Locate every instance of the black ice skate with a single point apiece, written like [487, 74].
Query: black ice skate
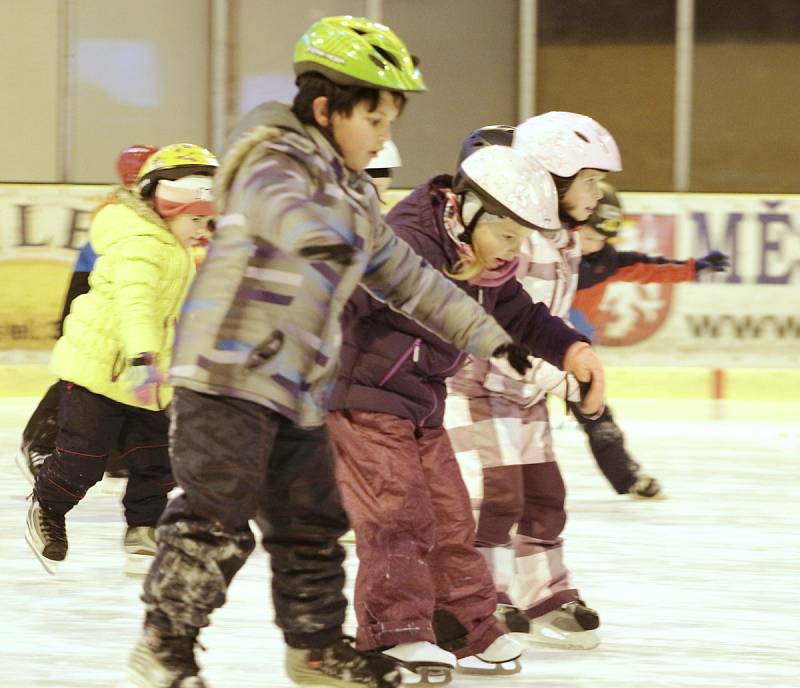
[164, 662]
[340, 665]
[431, 663]
[46, 534]
[646, 487]
[571, 626]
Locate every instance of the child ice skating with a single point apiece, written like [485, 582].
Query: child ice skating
[257, 353]
[505, 421]
[115, 350]
[600, 265]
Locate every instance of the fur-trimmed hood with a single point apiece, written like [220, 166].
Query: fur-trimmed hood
[122, 218]
[268, 122]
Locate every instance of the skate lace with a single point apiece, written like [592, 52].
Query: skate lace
[372, 668]
[53, 526]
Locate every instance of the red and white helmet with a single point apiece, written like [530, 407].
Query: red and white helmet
[511, 185]
[130, 161]
[566, 142]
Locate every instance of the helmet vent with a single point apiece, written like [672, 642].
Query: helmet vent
[581, 136]
[380, 64]
[386, 55]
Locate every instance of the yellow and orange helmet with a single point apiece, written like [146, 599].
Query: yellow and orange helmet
[174, 162]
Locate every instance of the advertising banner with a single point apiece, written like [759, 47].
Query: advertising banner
[747, 317]
[42, 228]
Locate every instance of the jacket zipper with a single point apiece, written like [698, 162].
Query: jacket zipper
[181, 295]
[433, 410]
[411, 350]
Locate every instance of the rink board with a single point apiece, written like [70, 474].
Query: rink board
[25, 379]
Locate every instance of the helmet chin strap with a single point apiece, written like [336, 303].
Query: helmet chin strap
[327, 132]
[466, 235]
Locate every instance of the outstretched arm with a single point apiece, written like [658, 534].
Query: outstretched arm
[396, 275]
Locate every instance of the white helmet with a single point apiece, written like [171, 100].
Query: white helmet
[566, 143]
[510, 185]
[386, 158]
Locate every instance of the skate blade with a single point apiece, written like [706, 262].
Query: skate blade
[644, 498]
[583, 640]
[477, 667]
[426, 675]
[49, 565]
[138, 565]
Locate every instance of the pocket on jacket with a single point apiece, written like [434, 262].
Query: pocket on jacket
[265, 351]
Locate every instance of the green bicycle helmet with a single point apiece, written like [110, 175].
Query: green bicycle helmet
[353, 51]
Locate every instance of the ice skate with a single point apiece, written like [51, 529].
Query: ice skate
[162, 662]
[140, 547]
[29, 461]
[46, 534]
[432, 664]
[340, 665]
[646, 487]
[501, 658]
[571, 626]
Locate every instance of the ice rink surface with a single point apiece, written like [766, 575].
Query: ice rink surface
[699, 589]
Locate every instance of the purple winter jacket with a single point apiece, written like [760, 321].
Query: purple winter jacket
[390, 364]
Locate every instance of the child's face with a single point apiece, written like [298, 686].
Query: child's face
[498, 243]
[584, 193]
[189, 229]
[591, 240]
[362, 134]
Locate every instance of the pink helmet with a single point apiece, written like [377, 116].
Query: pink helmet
[566, 142]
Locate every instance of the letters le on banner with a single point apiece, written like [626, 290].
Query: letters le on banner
[42, 227]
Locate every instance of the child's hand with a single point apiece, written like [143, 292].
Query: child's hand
[142, 378]
[716, 261]
[344, 254]
[583, 363]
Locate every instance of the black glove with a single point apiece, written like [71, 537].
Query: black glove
[344, 254]
[516, 355]
[716, 261]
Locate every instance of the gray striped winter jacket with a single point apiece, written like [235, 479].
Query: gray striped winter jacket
[262, 323]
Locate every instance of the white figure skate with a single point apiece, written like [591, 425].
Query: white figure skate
[571, 626]
[432, 664]
[501, 658]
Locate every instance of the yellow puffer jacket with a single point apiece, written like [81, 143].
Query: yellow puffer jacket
[136, 290]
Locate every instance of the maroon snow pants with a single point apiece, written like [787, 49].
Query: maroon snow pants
[410, 511]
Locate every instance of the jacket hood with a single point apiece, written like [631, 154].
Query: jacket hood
[125, 216]
[422, 211]
[270, 122]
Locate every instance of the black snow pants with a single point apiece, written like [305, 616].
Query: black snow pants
[236, 460]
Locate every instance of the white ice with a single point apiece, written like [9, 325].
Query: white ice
[697, 590]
